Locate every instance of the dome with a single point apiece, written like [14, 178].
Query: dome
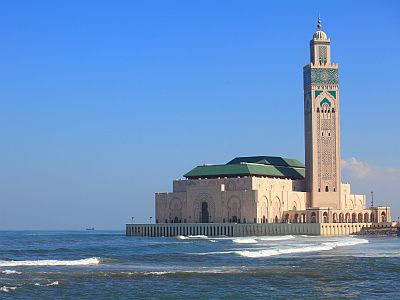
[320, 35]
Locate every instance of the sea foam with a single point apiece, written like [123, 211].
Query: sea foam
[9, 272]
[304, 249]
[24, 263]
[245, 241]
[7, 289]
[200, 236]
[47, 284]
[276, 238]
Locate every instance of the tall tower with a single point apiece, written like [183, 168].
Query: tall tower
[322, 123]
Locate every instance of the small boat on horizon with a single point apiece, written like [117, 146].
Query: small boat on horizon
[91, 228]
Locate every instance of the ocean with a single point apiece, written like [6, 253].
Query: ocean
[109, 265]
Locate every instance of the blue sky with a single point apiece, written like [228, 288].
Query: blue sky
[104, 103]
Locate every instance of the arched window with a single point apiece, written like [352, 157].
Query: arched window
[383, 217]
[313, 217]
[325, 217]
[325, 109]
[326, 189]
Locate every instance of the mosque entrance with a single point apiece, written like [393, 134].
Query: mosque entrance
[204, 212]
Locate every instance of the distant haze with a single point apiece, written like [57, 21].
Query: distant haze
[104, 103]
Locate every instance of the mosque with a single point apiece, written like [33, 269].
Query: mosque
[267, 189]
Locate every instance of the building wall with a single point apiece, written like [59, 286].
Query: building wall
[242, 200]
[258, 200]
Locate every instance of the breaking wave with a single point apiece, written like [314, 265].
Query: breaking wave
[7, 289]
[276, 238]
[192, 237]
[47, 284]
[245, 241]
[9, 272]
[24, 263]
[293, 250]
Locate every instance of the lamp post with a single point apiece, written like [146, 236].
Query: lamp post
[150, 219]
[372, 199]
[132, 219]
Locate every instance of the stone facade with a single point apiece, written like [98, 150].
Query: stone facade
[269, 194]
[257, 200]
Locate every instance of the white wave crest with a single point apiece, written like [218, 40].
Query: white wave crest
[276, 238]
[181, 237]
[197, 236]
[350, 242]
[47, 284]
[7, 289]
[245, 241]
[9, 272]
[24, 263]
[158, 273]
[314, 248]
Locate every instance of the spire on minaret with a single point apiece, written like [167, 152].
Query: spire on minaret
[319, 26]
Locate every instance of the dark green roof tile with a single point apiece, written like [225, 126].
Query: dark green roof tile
[268, 166]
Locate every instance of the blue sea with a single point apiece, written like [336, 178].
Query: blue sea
[109, 265]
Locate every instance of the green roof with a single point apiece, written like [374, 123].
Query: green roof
[268, 160]
[268, 166]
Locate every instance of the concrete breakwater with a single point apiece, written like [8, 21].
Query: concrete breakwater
[380, 231]
[238, 230]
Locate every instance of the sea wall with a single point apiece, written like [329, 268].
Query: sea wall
[235, 230]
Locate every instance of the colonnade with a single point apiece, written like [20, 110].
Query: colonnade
[236, 230]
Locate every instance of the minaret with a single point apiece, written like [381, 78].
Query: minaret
[322, 124]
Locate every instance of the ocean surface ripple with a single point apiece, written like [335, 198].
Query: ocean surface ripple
[109, 265]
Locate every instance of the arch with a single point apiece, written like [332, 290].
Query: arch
[198, 207]
[294, 202]
[276, 207]
[351, 204]
[296, 218]
[372, 218]
[335, 218]
[353, 217]
[175, 210]
[366, 218]
[231, 185]
[341, 218]
[325, 217]
[383, 217]
[360, 204]
[287, 218]
[264, 207]
[325, 111]
[234, 209]
[347, 218]
[313, 217]
[360, 218]
[205, 215]
[325, 101]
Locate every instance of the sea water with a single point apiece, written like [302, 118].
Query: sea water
[109, 265]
